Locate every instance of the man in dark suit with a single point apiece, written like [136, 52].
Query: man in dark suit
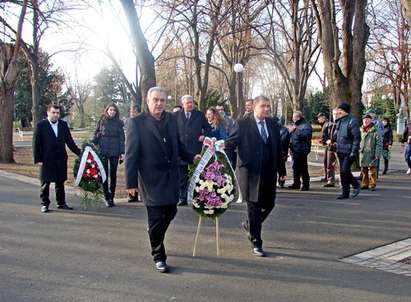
[257, 140]
[192, 128]
[49, 151]
[152, 156]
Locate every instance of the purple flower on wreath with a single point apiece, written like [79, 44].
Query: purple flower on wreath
[209, 175]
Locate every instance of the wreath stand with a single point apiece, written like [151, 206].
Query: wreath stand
[198, 233]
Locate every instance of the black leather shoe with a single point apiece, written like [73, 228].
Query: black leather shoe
[161, 267]
[259, 252]
[182, 203]
[373, 189]
[364, 188]
[356, 192]
[329, 185]
[343, 197]
[64, 207]
[45, 209]
[293, 187]
[305, 189]
[112, 203]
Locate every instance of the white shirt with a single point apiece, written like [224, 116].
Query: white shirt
[54, 127]
[259, 125]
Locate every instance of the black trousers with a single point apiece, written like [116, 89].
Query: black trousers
[159, 219]
[257, 213]
[183, 182]
[300, 170]
[110, 165]
[346, 176]
[45, 191]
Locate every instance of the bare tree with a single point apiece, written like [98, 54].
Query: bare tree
[8, 76]
[344, 68]
[79, 93]
[407, 5]
[289, 36]
[389, 49]
[144, 56]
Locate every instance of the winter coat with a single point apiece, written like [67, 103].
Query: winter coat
[51, 150]
[300, 141]
[109, 136]
[284, 140]
[370, 147]
[387, 138]
[348, 136]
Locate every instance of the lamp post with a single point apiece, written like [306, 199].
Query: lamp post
[238, 69]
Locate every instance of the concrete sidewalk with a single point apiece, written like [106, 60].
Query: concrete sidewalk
[103, 254]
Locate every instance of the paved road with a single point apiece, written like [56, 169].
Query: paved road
[102, 254]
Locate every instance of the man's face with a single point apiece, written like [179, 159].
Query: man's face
[220, 110]
[373, 115]
[367, 121]
[335, 115]
[53, 114]
[188, 105]
[296, 117]
[340, 113]
[133, 113]
[156, 103]
[262, 109]
[249, 106]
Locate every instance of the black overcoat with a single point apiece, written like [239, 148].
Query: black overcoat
[147, 162]
[246, 139]
[190, 130]
[51, 150]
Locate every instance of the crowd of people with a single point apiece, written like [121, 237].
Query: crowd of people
[159, 146]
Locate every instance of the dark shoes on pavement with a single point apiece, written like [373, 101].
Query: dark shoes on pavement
[356, 192]
[343, 197]
[259, 252]
[293, 187]
[305, 189]
[109, 203]
[161, 267]
[329, 185]
[64, 207]
[45, 209]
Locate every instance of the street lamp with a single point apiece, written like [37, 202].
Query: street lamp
[238, 69]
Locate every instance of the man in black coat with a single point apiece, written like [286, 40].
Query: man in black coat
[300, 147]
[49, 151]
[153, 149]
[256, 138]
[347, 138]
[192, 128]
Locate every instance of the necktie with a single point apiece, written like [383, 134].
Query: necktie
[263, 132]
[187, 115]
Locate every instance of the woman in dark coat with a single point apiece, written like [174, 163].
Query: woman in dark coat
[109, 136]
[386, 143]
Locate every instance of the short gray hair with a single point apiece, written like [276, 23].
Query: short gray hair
[261, 98]
[298, 112]
[156, 89]
[186, 97]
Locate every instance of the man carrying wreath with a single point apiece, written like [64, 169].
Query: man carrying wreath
[152, 156]
[256, 137]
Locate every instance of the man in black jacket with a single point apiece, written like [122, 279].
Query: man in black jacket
[300, 146]
[153, 149]
[348, 138]
[49, 151]
[257, 140]
[330, 158]
[192, 128]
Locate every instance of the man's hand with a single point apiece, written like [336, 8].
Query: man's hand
[197, 158]
[283, 177]
[328, 142]
[291, 128]
[132, 191]
[201, 138]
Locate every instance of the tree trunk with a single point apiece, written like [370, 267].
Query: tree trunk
[6, 124]
[35, 93]
[144, 56]
[81, 113]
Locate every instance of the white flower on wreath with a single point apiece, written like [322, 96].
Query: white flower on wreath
[88, 171]
[208, 212]
[89, 161]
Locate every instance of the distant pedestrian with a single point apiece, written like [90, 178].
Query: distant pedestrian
[285, 146]
[348, 139]
[49, 151]
[300, 146]
[370, 152]
[228, 121]
[327, 140]
[406, 138]
[109, 136]
[387, 143]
